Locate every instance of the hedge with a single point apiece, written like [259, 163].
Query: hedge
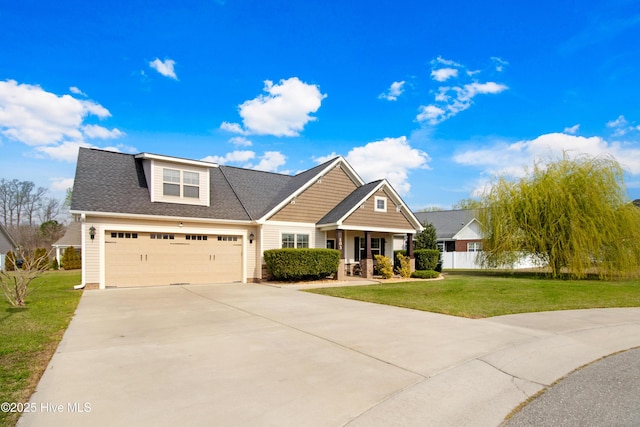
[301, 264]
[426, 259]
[425, 274]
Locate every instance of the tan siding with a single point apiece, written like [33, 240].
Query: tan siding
[316, 201]
[367, 216]
[91, 252]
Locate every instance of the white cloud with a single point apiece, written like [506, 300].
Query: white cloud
[238, 156]
[391, 158]
[452, 99]
[394, 91]
[444, 74]
[270, 161]
[53, 124]
[233, 128]
[322, 159]
[572, 130]
[61, 184]
[283, 111]
[441, 61]
[166, 67]
[240, 141]
[619, 122]
[76, 91]
[67, 151]
[99, 132]
[499, 63]
[512, 159]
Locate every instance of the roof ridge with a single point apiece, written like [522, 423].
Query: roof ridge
[235, 193]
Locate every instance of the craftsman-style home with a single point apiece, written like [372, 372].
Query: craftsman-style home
[150, 219]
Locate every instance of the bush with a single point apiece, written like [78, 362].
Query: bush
[41, 258]
[425, 274]
[426, 259]
[404, 263]
[396, 260]
[385, 268]
[71, 259]
[10, 262]
[301, 264]
[54, 264]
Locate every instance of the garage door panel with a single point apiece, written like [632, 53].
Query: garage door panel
[147, 261]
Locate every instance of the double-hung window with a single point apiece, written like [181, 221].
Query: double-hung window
[291, 240]
[171, 182]
[180, 183]
[474, 247]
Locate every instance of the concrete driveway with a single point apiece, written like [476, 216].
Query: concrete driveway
[255, 355]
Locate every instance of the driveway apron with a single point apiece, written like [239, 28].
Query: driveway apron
[255, 355]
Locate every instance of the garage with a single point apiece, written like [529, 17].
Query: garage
[152, 259]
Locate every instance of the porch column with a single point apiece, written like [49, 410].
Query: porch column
[340, 246]
[367, 260]
[410, 253]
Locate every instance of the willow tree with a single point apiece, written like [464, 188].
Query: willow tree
[572, 215]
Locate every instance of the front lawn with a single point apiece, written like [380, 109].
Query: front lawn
[477, 295]
[29, 336]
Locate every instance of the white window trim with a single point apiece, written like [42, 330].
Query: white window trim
[375, 204]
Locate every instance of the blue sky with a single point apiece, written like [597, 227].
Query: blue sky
[437, 97]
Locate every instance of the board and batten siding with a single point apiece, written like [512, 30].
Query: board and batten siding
[317, 200]
[366, 214]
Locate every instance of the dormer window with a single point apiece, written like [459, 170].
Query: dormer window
[191, 184]
[172, 183]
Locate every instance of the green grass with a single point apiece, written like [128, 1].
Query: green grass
[478, 295]
[29, 336]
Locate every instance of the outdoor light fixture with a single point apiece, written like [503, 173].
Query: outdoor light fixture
[92, 232]
[251, 237]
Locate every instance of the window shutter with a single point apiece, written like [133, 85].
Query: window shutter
[382, 246]
[356, 244]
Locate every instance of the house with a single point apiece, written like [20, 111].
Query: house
[7, 244]
[149, 219]
[72, 238]
[459, 236]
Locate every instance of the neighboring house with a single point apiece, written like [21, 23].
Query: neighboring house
[7, 244]
[459, 236]
[149, 219]
[72, 237]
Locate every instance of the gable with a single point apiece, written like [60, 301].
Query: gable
[7, 244]
[317, 200]
[471, 231]
[368, 214]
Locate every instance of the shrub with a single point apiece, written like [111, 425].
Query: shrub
[404, 263]
[301, 264]
[425, 274]
[426, 259]
[41, 258]
[385, 268]
[54, 264]
[71, 259]
[396, 260]
[10, 262]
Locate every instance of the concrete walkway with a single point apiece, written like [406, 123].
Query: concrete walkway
[254, 355]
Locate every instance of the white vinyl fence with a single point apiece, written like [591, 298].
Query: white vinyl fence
[469, 260]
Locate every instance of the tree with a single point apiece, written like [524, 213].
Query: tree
[469, 203]
[16, 284]
[572, 214]
[427, 238]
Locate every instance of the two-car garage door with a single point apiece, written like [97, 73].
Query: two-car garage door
[151, 259]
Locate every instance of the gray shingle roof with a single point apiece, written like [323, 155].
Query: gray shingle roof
[115, 182]
[447, 223]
